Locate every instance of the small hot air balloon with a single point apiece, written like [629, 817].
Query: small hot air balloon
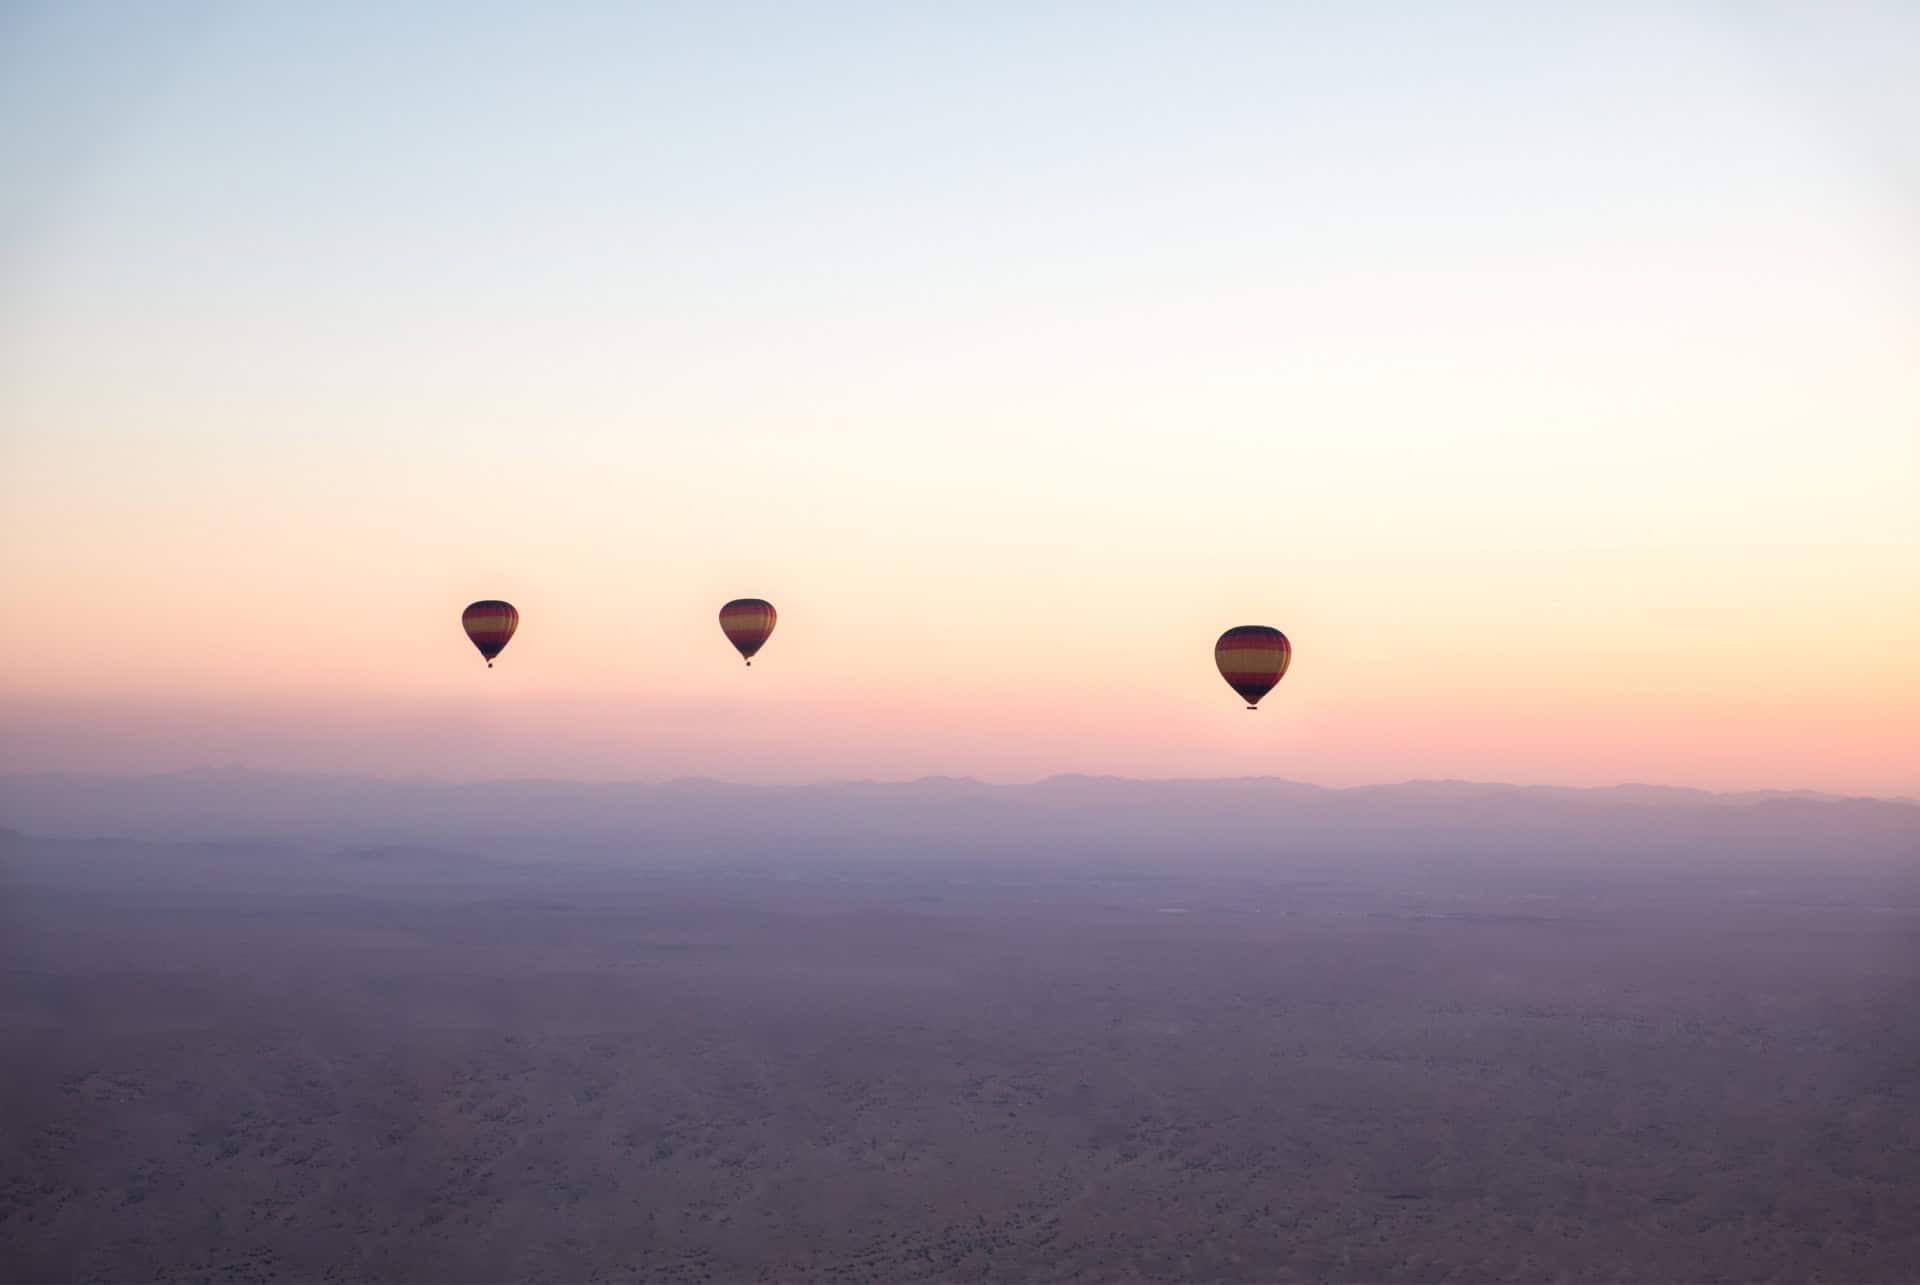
[748, 623]
[1252, 658]
[490, 624]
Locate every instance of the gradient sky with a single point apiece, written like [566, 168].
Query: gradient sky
[1550, 374]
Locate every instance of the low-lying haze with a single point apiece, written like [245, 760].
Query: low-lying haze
[274, 1028]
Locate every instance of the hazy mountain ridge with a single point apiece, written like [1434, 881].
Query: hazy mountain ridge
[1252, 813]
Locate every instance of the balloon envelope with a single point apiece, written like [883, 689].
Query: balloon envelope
[748, 623]
[490, 624]
[1252, 658]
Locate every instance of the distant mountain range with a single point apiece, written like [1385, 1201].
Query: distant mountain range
[1106, 814]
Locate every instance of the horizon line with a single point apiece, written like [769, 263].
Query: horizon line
[426, 778]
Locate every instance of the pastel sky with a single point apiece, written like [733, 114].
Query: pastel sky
[1550, 374]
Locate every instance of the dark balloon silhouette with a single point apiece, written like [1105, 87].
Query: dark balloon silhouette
[1252, 658]
[748, 623]
[490, 625]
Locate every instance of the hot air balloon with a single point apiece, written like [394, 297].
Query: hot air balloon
[748, 623]
[490, 624]
[1252, 658]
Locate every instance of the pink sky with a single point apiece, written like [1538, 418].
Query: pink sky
[1446, 676]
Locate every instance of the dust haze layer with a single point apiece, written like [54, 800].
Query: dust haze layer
[629, 817]
[281, 1028]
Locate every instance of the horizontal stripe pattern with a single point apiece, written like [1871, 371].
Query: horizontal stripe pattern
[490, 625]
[748, 623]
[1253, 659]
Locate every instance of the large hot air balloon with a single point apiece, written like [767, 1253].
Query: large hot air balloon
[490, 624]
[748, 623]
[1252, 658]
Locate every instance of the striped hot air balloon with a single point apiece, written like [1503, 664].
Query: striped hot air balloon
[490, 624]
[1252, 658]
[748, 623]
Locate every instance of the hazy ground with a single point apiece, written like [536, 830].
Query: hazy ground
[269, 1063]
